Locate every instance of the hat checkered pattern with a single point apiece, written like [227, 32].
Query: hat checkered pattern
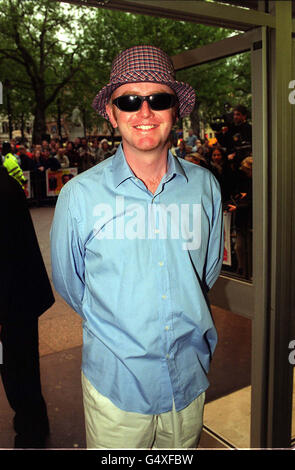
[145, 64]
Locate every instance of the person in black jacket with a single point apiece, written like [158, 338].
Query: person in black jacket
[219, 166]
[236, 137]
[242, 208]
[26, 293]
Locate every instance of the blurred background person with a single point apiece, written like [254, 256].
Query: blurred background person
[106, 150]
[62, 158]
[72, 154]
[25, 295]
[191, 140]
[181, 151]
[219, 166]
[11, 164]
[241, 207]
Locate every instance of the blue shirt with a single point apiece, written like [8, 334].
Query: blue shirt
[136, 266]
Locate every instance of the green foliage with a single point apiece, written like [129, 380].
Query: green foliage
[218, 83]
[41, 51]
[53, 51]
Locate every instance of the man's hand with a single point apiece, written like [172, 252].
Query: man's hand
[231, 156]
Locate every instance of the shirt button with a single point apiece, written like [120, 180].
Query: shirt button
[167, 356]
[164, 297]
[161, 263]
[167, 328]
[157, 230]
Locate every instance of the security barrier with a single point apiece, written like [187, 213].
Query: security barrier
[40, 186]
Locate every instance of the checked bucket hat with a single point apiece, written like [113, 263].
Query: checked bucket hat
[145, 64]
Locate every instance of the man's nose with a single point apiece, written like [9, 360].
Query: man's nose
[145, 109]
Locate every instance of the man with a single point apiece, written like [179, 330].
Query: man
[62, 158]
[240, 122]
[11, 164]
[106, 151]
[85, 155]
[237, 137]
[45, 145]
[27, 163]
[25, 294]
[191, 140]
[125, 258]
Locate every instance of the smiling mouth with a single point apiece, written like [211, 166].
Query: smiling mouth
[145, 127]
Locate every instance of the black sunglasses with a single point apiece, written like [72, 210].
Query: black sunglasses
[157, 102]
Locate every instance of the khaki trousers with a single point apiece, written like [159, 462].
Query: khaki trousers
[108, 427]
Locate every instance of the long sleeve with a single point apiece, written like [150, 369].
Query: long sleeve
[67, 253]
[216, 239]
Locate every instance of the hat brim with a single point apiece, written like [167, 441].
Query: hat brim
[185, 93]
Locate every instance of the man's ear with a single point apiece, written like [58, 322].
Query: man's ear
[111, 114]
[176, 113]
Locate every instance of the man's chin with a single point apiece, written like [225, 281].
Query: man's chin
[147, 146]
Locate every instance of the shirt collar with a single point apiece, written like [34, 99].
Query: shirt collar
[122, 171]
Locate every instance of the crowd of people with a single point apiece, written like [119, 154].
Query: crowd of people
[228, 156]
[54, 154]
[81, 154]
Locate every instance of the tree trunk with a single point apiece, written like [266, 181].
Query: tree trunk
[59, 120]
[22, 127]
[195, 120]
[9, 113]
[39, 127]
[84, 119]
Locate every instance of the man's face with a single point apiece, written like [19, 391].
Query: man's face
[217, 156]
[145, 129]
[105, 146]
[239, 117]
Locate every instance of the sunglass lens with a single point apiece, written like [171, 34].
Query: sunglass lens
[158, 102]
[161, 101]
[129, 103]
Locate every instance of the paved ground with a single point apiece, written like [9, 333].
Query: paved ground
[60, 351]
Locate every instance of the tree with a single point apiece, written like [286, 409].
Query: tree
[30, 40]
[222, 82]
[215, 83]
[57, 56]
[17, 99]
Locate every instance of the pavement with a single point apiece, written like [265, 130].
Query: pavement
[60, 341]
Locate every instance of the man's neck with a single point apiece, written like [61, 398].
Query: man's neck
[149, 167]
